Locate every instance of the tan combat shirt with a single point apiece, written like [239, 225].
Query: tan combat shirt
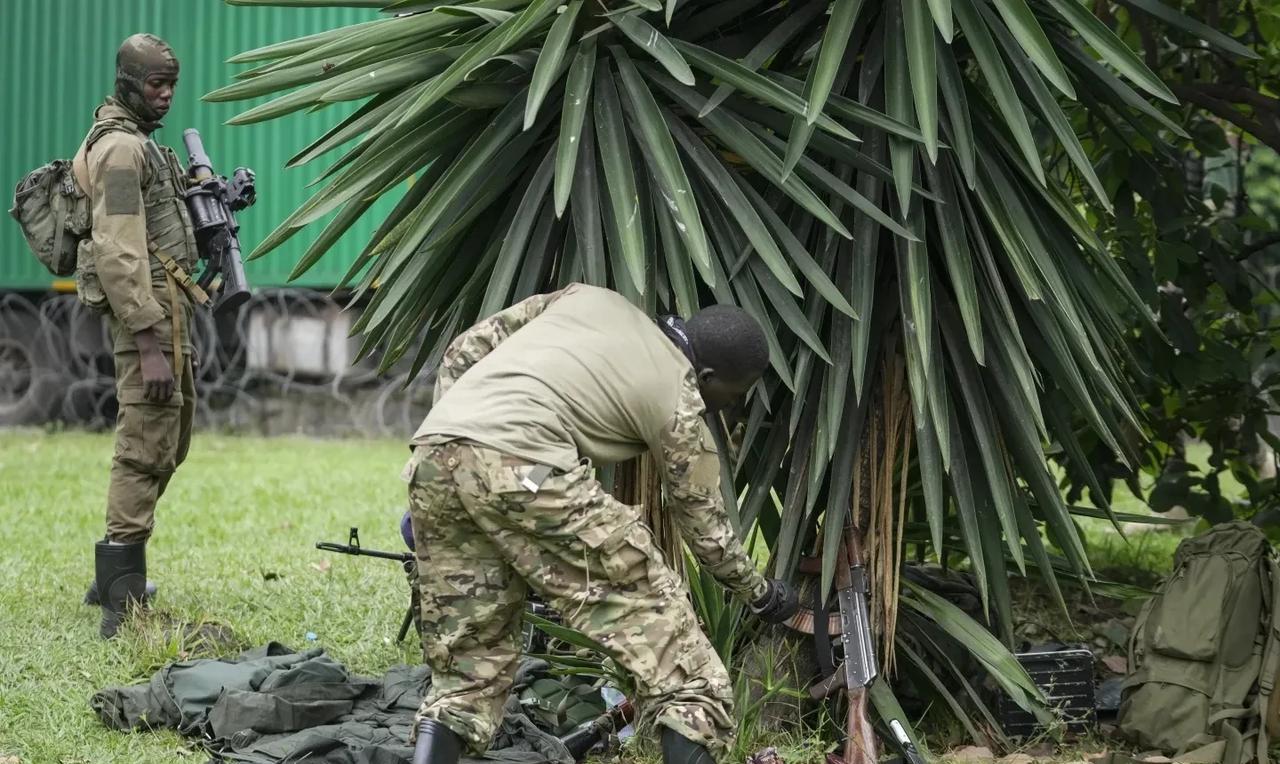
[584, 373]
[131, 278]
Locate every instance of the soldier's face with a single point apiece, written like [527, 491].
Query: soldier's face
[157, 91]
[719, 393]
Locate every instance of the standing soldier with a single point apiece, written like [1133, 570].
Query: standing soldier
[503, 499]
[143, 250]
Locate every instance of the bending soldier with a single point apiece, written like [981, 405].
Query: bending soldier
[136, 269]
[503, 499]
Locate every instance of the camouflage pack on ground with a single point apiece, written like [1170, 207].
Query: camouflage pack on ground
[1204, 653]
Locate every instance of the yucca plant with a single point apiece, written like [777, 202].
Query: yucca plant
[895, 189]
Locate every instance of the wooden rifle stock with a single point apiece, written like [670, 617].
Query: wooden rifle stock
[860, 738]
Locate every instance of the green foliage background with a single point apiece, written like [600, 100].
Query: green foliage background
[969, 190]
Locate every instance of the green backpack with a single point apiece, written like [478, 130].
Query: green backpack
[54, 214]
[1204, 652]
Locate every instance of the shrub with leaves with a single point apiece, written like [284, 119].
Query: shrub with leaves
[868, 178]
[1195, 229]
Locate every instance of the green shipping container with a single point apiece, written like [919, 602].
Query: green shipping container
[59, 63]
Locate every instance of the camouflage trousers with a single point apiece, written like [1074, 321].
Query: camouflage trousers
[484, 539]
[152, 439]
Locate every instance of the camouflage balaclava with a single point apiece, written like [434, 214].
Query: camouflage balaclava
[141, 56]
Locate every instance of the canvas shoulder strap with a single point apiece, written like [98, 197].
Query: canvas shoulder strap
[1268, 708]
[80, 164]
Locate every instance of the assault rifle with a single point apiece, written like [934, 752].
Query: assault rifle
[406, 560]
[534, 639]
[213, 202]
[858, 670]
[352, 547]
[580, 741]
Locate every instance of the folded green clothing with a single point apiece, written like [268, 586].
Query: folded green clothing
[273, 705]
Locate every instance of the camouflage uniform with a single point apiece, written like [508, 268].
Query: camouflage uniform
[140, 221]
[489, 524]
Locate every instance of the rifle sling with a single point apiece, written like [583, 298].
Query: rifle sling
[176, 317]
[821, 633]
[188, 284]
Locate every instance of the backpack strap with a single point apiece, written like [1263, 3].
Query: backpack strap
[80, 169]
[103, 126]
[1138, 634]
[1237, 740]
[80, 162]
[1270, 664]
[1204, 749]
[59, 204]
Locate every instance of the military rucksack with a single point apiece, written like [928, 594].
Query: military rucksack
[54, 213]
[53, 208]
[1204, 653]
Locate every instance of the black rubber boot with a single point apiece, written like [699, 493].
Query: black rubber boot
[91, 596]
[678, 749]
[437, 744]
[122, 580]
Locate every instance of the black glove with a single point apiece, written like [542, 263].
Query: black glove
[778, 603]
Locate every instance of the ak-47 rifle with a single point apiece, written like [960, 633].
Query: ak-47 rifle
[858, 670]
[581, 740]
[352, 547]
[406, 560]
[533, 639]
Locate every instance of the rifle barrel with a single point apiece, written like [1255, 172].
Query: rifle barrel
[356, 551]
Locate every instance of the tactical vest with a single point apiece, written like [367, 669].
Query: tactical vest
[171, 239]
[169, 230]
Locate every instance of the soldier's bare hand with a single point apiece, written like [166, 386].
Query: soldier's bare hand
[157, 377]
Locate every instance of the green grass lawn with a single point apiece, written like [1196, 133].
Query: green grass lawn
[233, 545]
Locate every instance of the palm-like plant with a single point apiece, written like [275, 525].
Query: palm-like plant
[895, 189]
